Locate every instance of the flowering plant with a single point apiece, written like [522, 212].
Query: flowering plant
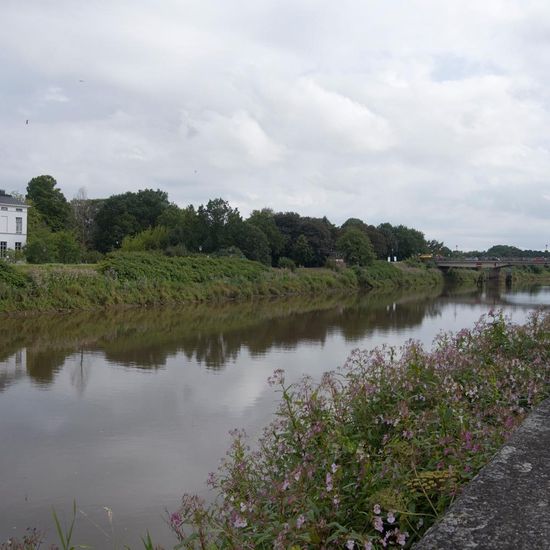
[371, 455]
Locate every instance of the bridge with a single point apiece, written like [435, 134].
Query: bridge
[492, 264]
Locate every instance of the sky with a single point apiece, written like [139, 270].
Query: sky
[431, 114]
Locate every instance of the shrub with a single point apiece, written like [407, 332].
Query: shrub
[286, 263]
[375, 452]
[10, 276]
[92, 257]
[229, 252]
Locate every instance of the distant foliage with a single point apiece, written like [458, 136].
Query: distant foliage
[47, 247]
[135, 266]
[287, 263]
[153, 238]
[50, 202]
[355, 247]
[125, 215]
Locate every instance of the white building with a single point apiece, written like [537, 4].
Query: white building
[13, 223]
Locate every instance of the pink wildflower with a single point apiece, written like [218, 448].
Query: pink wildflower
[334, 468]
[378, 524]
[377, 509]
[402, 538]
[391, 518]
[328, 481]
[239, 522]
[350, 544]
[368, 545]
[176, 519]
[300, 521]
[277, 378]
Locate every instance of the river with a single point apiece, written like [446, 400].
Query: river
[124, 411]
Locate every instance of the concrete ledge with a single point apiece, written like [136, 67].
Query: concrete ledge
[507, 505]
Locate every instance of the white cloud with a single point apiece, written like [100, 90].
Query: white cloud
[433, 114]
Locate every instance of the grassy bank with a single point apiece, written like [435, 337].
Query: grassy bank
[141, 279]
[531, 274]
[374, 453]
[469, 277]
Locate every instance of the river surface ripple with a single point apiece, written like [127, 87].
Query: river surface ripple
[124, 411]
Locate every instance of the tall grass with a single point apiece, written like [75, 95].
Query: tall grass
[145, 279]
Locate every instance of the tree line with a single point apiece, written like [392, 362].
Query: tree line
[84, 229]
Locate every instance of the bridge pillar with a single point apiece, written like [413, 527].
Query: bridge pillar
[494, 273]
[508, 278]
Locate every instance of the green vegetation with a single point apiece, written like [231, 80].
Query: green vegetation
[465, 276]
[356, 247]
[532, 273]
[372, 455]
[140, 278]
[69, 232]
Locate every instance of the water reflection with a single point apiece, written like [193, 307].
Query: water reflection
[128, 409]
[211, 335]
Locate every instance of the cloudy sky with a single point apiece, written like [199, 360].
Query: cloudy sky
[430, 113]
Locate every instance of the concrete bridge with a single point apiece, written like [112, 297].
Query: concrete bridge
[494, 264]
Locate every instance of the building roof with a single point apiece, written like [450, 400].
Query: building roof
[8, 199]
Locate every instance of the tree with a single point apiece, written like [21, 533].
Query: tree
[183, 226]
[302, 253]
[127, 214]
[214, 221]
[84, 211]
[264, 219]
[67, 249]
[410, 241]
[318, 233]
[153, 238]
[356, 247]
[435, 247]
[504, 251]
[41, 248]
[387, 230]
[251, 240]
[376, 237]
[49, 201]
[319, 237]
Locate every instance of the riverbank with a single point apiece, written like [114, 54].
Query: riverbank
[141, 279]
[377, 451]
[530, 274]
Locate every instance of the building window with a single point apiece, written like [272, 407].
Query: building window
[19, 210]
[19, 225]
[3, 249]
[17, 247]
[3, 208]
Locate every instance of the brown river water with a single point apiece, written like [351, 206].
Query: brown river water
[123, 411]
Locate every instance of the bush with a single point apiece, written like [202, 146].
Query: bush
[9, 276]
[154, 238]
[229, 252]
[374, 453]
[92, 257]
[286, 263]
[176, 250]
